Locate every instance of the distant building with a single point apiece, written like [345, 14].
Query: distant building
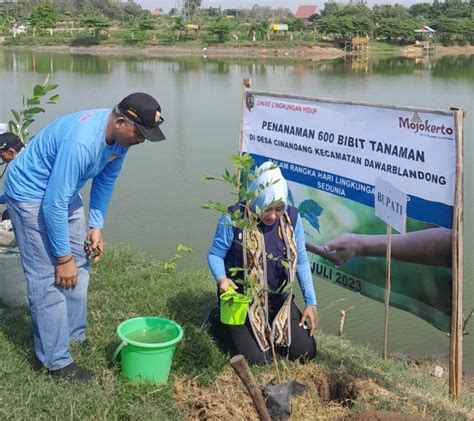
[304, 12]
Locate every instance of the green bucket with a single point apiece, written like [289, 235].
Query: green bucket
[147, 348]
[234, 307]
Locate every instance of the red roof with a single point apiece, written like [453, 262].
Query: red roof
[304, 12]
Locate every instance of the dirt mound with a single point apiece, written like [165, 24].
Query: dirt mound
[227, 398]
[382, 416]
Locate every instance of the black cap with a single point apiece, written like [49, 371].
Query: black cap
[145, 112]
[9, 140]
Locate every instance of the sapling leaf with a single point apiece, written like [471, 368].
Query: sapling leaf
[207, 177]
[38, 90]
[235, 270]
[50, 87]
[53, 99]
[182, 247]
[12, 127]
[16, 115]
[34, 110]
[32, 101]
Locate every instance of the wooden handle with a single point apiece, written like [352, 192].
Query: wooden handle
[239, 364]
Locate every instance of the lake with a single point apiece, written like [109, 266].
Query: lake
[156, 204]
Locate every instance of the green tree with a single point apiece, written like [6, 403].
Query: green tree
[386, 11]
[220, 28]
[96, 23]
[458, 10]
[213, 11]
[331, 8]
[392, 28]
[328, 25]
[190, 7]
[421, 9]
[44, 15]
[260, 29]
[354, 10]
[295, 24]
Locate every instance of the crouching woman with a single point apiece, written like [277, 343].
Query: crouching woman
[274, 253]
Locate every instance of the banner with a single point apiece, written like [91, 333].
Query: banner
[331, 152]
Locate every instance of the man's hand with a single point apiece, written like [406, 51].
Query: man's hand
[338, 251]
[97, 244]
[66, 272]
[311, 313]
[225, 283]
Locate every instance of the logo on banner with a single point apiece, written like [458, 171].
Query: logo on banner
[250, 102]
[417, 125]
[416, 118]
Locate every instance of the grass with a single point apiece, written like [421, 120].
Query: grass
[202, 384]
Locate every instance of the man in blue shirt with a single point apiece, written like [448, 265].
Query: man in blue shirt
[42, 195]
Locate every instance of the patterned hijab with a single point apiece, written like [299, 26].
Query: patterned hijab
[275, 187]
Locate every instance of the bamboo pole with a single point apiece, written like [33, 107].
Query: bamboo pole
[387, 289]
[239, 364]
[246, 84]
[455, 338]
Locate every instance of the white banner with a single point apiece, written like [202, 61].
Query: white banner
[341, 148]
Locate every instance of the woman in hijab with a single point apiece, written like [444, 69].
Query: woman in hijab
[278, 236]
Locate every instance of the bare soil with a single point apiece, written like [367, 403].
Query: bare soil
[306, 53]
[328, 397]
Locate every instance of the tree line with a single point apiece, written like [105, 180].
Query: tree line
[452, 19]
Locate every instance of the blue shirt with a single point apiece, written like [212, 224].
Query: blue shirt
[223, 241]
[56, 164]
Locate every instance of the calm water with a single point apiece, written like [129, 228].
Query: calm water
[156, 204]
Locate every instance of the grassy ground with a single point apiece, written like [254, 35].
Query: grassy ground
[345, 379]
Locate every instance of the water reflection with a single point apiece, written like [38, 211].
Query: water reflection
[457, 67]
[44, 63]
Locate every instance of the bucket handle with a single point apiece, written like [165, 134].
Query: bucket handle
[117, 352]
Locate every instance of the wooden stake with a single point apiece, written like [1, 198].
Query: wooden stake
[455, 338]
[387, 289]
[342, 319]
[239, 364]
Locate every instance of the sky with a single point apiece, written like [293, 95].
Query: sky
[290, 4]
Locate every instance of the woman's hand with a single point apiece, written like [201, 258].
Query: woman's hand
[311, 313]
[225, 283]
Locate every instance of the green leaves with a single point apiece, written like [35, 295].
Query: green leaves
[23, 118]
[182, 247]
[16, 114]
[170, 265]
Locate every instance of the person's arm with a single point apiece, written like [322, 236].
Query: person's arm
[303, 269]
[70, 163]
[430, 246]
[101, 192]
[305, 279]
[220, 246]
[2, 198]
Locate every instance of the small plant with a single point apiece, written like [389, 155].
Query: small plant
[24, 117]
[246, 217]
[170, 265]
